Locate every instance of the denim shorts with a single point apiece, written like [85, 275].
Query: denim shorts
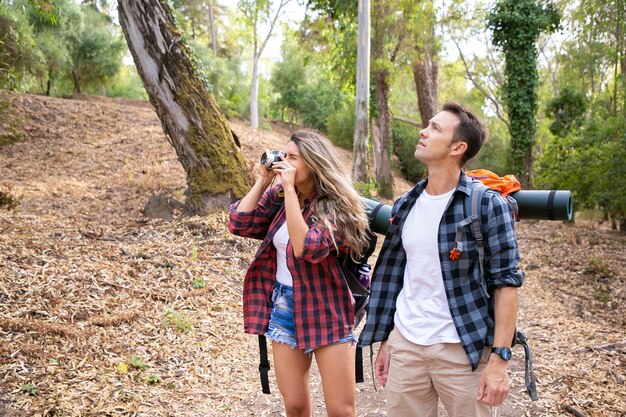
[282, 328]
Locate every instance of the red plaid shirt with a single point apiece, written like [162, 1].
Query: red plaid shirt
[323, 308]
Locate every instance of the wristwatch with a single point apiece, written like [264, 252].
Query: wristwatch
[504, 352]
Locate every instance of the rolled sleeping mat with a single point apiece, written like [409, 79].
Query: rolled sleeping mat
[533, 204]
[544, 204]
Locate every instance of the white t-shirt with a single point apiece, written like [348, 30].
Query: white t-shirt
[281, 238]
[422, 314]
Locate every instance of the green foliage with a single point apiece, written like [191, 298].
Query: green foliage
[46, 10]
[126, 83]
[30, 389]
[404, 139]
[365, 188]
[198, 282]
[340, 125]
[289, 78]
[568, 111]
[95, 51]
[225, 79]
[180, 321]
[153, 379]
[329, 44]
[516, 26]
[137, 363]
[320, 99]
[18, 53]
[309, 91]
[589, 162]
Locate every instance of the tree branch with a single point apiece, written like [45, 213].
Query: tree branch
[480, 88]
[408, 121]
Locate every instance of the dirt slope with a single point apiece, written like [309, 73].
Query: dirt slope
[108, 313]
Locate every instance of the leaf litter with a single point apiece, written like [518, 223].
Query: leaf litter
[99, 314]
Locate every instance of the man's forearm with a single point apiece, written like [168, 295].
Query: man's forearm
[505, 311]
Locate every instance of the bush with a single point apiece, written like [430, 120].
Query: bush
[224, 79]
[18, 52]
[404, 138]
[126, 83]
[319, 101]
[340, 125]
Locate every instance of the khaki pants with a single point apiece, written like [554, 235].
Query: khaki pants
[420, 375]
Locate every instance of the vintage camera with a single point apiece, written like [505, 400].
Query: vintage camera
[269, 158]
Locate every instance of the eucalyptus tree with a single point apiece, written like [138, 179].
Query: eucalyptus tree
[211, 12]
[192, 120]
[392, 23]
[256, 15]
[360, 157]
[516, 25]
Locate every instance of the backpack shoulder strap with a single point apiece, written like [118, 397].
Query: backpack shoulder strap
[473, 212]
[475, 206]
[264, 365]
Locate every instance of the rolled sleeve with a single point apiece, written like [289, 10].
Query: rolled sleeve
[255, 224]
[501, 251]
[318, 243]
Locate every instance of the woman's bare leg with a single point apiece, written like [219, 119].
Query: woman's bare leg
[292, 376]
[336, 365]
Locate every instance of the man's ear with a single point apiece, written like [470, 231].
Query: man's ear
[459, 148]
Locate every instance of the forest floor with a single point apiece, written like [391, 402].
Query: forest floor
[105, 312]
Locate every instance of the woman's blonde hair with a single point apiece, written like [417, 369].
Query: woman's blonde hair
[337, 199]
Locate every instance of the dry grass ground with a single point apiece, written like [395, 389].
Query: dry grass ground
[104, 312]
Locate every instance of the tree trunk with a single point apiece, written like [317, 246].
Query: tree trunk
[383, 168]
[376, 145]
[425, 74]
[49, 83]
[212, 28]
[76, 79]
[192, 120]
[258, 51]
[254, 94]
[361, 165]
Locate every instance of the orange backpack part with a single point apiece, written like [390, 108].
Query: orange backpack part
[504, 185]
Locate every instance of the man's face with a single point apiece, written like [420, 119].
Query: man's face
[436, 139]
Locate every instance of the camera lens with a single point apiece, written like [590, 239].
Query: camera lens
[269, 158]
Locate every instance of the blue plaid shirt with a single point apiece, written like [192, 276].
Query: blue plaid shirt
[471, 308]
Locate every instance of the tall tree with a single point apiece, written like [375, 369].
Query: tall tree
[361, 166]
[516, 25]
[194, 124]
[426, 62]
[259, 13]
[389, 26]
[212, 26]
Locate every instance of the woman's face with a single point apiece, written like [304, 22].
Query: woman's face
[303, 172]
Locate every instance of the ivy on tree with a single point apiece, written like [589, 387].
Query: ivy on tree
[516, 26]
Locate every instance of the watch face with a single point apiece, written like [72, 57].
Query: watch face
[506, 354]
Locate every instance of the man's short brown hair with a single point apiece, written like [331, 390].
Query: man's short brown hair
[470, 130]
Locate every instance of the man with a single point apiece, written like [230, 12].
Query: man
[445, 335]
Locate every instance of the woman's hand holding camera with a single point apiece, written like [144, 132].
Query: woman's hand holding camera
[286, 172]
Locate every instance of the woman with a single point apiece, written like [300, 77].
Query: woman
[294, 292]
